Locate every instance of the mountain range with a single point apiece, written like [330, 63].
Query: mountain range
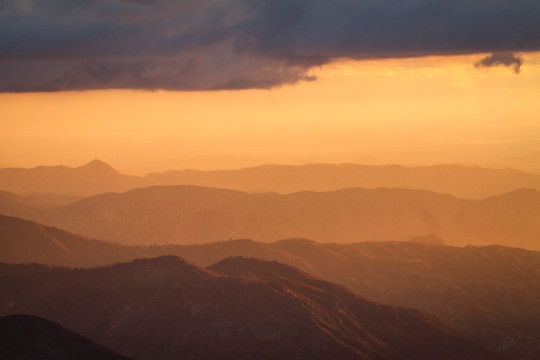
[165, 308]
[457, 180]
[98, 177]
[381, 231]
[190, 215]
[490, 293]
[93, 178]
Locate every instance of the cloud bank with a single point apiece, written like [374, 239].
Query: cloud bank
[236, 44]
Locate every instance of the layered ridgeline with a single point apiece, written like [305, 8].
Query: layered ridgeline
[97, 177]
[491, 293]
[26, 337]
[457, 180]
[190, 214]
[90, 179]
[165, 308]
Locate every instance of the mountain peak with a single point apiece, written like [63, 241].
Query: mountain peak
[97, 165]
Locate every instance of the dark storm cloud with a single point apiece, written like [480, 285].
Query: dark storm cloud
[507, 59]
[221, 44]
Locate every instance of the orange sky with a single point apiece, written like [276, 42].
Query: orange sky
[410, 111]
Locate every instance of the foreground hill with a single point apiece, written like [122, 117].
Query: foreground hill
[491, 294]
[189, 214]
[97, 177]
[90, 179]
[26, 337]
[165, 308]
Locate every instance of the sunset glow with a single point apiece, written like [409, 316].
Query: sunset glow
[408, 111]
[269, 179]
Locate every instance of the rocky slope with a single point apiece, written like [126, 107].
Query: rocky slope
[490, 293]
[165, 308]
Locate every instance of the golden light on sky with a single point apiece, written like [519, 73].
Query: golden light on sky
[409, 111]
[417, 123]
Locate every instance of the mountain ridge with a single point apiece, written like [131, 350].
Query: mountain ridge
[98, 177]
[235, 317]
[91, 178]
[192, 214]
[490, 293]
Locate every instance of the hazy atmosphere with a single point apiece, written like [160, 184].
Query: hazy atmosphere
[269, 179]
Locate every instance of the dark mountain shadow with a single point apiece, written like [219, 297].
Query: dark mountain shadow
[27, 337]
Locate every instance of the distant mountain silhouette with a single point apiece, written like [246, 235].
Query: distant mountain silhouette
[165, 308]
[26, 337]
[98, 177]
[189, 214]
[97, 167]
[491, 294]
[90, 179]
[460, 181]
